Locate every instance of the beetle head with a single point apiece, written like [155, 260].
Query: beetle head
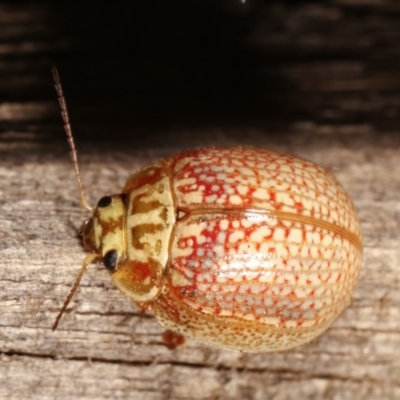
[103, 234]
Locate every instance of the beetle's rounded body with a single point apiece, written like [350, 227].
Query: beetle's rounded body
[242, 248]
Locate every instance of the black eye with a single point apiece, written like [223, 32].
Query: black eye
[104, 201]
[110, 259]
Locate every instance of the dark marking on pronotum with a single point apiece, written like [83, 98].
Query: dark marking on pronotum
[139, 232]
[139, 206]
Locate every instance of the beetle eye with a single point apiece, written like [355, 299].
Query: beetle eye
[104, 201]
[110, 259]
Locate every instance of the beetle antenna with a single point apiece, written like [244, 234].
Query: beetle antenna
[68, 131]
[88, 260]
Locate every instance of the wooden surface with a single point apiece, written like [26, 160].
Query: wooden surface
[143, 82]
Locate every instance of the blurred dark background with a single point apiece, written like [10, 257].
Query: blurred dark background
[143, 71]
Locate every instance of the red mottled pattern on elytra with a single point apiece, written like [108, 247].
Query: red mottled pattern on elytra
[253, 178]
[227, 266]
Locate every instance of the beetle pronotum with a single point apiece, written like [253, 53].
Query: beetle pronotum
[242, 248]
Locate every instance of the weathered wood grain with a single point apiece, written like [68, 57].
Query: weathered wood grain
[323, 83]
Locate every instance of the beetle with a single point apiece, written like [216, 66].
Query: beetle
[242, 248]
